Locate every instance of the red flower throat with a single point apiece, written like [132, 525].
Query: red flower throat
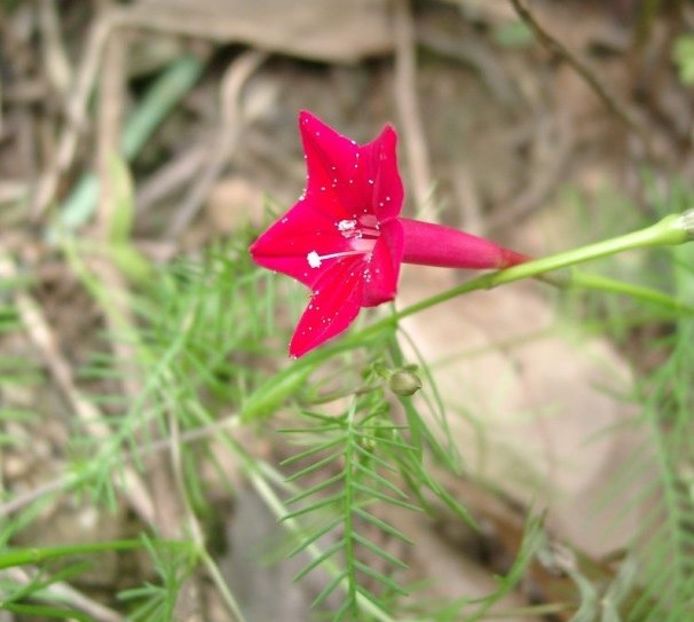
[344, 238]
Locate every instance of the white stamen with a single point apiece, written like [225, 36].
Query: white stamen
[315, 260]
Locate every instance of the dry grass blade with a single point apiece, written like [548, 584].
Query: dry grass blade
[236, 76]
[76, 115]
[69, 595]
[408, 107]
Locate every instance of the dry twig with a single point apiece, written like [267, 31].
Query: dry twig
[172, 175]
[614, 105]
[236, 76]
[56, 60]
[76, 115]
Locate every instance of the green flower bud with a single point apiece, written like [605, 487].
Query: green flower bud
[404, 382]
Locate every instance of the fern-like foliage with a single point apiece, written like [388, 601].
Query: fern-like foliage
[198, 324]
[655, 580]
[173, 562]
[667, 558]
[665, 546]
[358, 448]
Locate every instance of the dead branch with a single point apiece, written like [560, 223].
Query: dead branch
[613, 104]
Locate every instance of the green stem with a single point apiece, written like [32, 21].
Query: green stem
[586, 280]
[273, 502]
[671, 230]
[667, 232]
[222, 586]
[348, 525]
[18, 557]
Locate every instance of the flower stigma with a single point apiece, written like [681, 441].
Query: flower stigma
[315, 260]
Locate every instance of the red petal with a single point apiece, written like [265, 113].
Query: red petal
[381, 165]
[286, 243]
[334, 305]
[333, 169]
[431, 244]
[347, 179]
[384, 267]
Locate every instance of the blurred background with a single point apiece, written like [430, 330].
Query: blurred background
[159, 137]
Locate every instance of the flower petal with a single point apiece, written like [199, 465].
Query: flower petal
[285, 245]
[431, 244]
[381, 280]
[334, 305]
[334, 175]
[348, 179]
[381, 165]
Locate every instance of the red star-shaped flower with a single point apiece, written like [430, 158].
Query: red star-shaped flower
[344, 238]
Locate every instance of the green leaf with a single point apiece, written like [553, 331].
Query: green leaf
[381, 578]
[265, 400]
[325, 555]
[315, 506]
[329, 588]
[315, 466]
[316, 488]
[121, 186]
[11, 557]
[316, 535]
[380, 552]
[46, 611]
[382, 525]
